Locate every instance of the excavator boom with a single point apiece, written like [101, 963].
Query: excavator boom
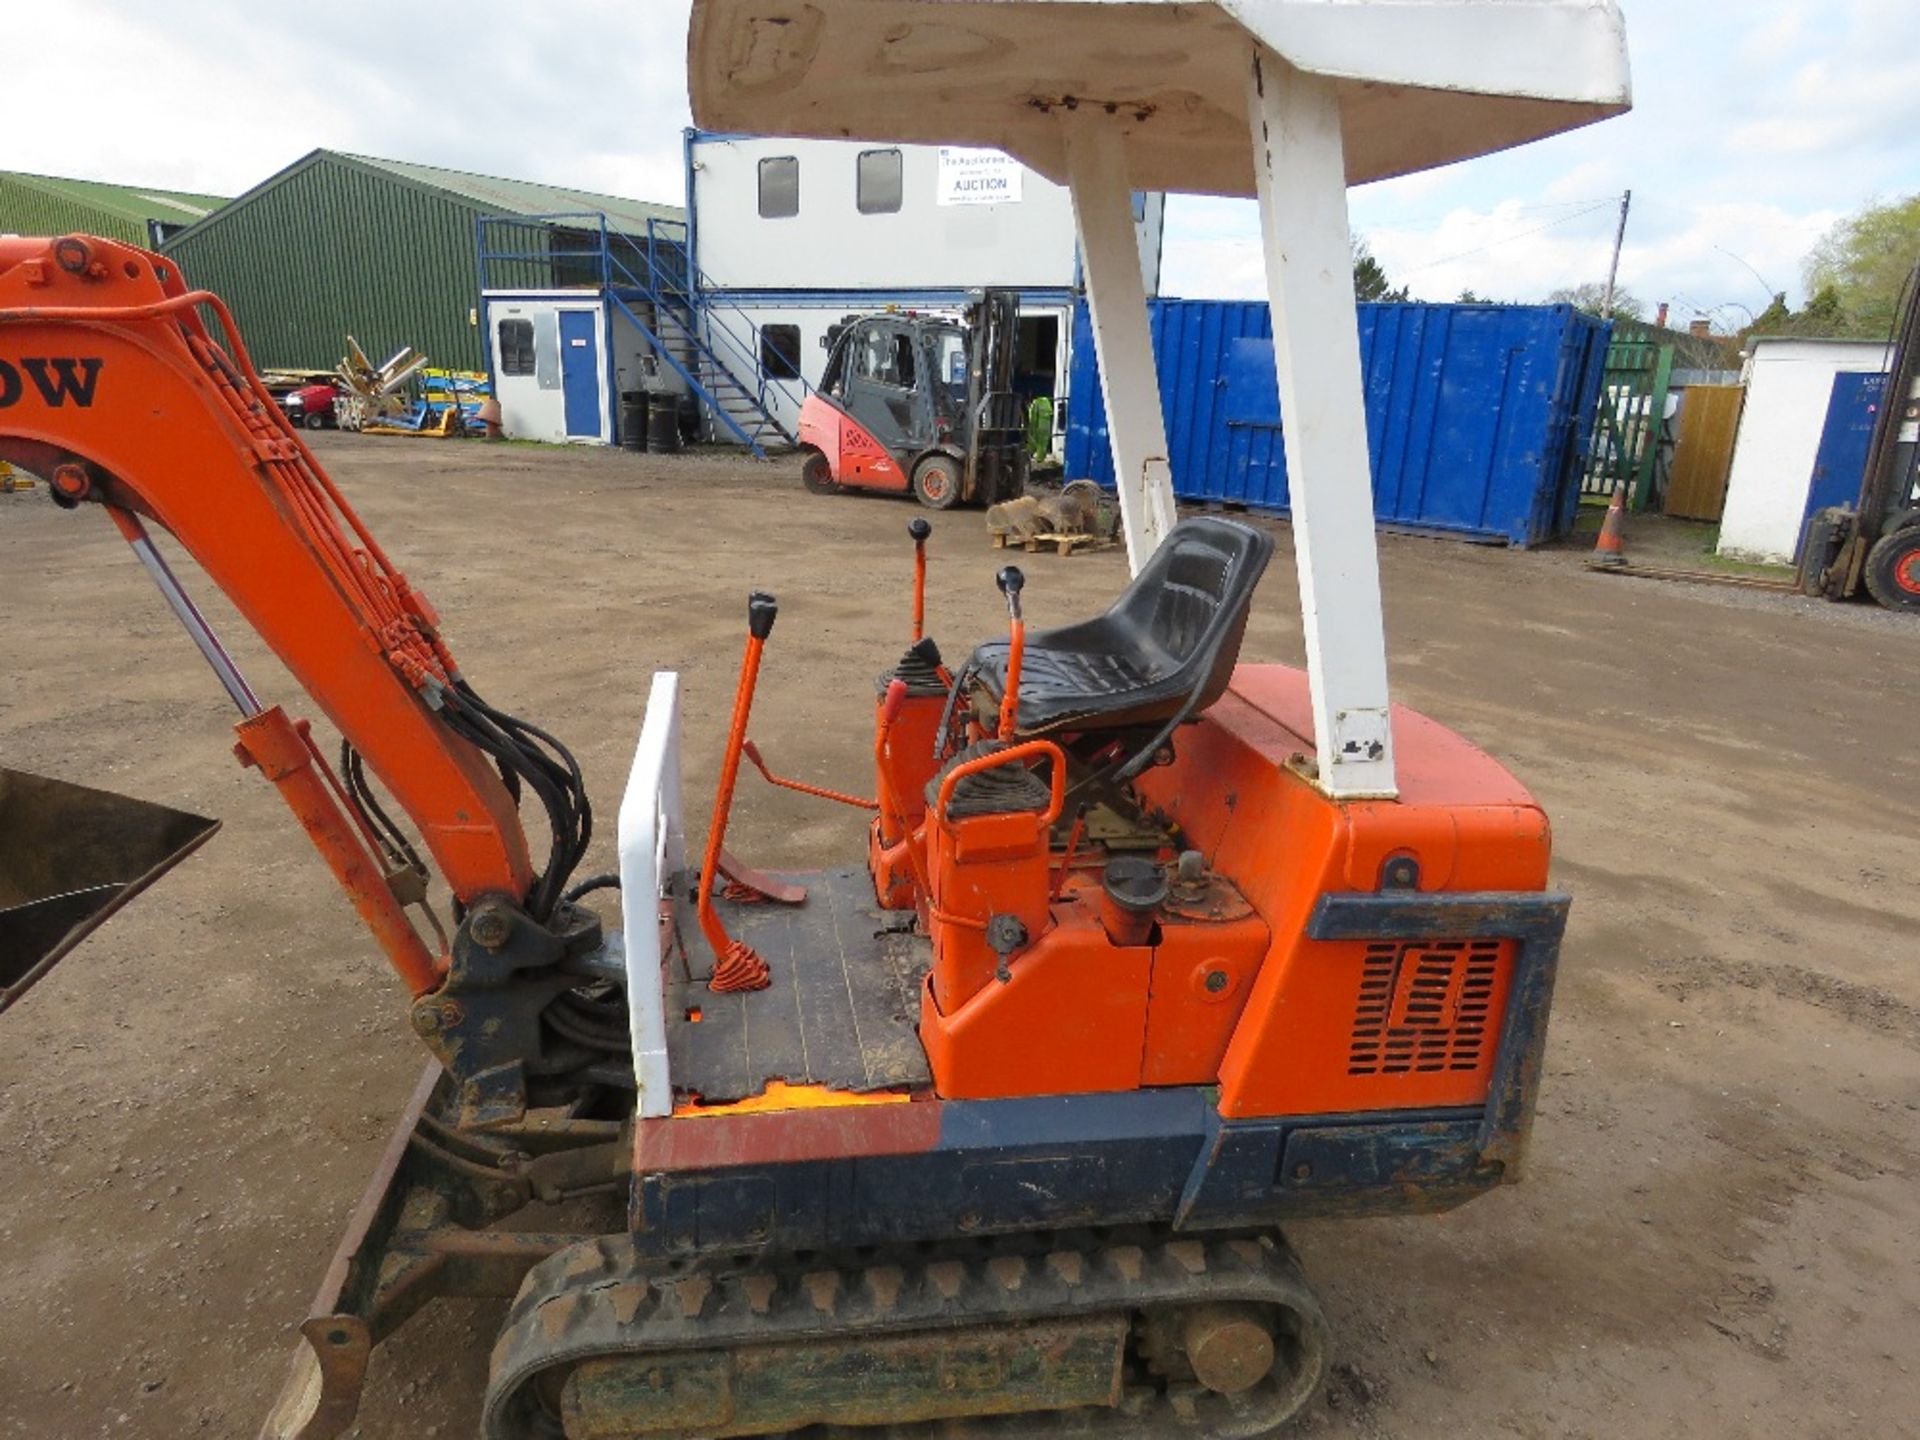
[114, 386]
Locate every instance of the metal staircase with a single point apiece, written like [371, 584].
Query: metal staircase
[713, 347]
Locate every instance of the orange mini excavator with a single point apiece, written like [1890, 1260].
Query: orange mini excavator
[990, 1131]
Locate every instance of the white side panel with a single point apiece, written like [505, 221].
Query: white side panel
[1789, 386]
[1116, 296]
[652, 851]
[1301, 170]
[831, 245]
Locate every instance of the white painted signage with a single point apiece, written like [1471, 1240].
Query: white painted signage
[977, 177]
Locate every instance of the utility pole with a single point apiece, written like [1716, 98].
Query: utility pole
[1619, 240]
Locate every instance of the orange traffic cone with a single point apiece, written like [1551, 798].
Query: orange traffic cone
[1610, 549]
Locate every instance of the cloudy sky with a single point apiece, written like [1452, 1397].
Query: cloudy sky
[1758, 123]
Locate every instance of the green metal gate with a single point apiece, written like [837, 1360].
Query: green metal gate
[1633, 405]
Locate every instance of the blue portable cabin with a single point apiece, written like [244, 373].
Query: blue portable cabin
[1479, 416]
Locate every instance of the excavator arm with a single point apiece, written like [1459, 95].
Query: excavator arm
[113, 385]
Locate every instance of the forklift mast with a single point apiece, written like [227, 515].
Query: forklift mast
[1874, 544]
[1887, 488]
[996, 420]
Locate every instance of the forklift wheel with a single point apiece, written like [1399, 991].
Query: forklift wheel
[1893, 570]
[314, 420]
[936, 482]
[817, 475]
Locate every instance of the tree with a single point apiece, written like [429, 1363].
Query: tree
[1773, 320]
[1825, 317]
[1864, 261]
[1370, 283]
[1592, 298]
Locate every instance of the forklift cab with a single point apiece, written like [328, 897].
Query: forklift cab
[891, 375]
[920, 402]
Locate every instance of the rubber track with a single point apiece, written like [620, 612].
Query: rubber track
[599, 1299]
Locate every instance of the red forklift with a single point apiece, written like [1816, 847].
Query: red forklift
[920, 402]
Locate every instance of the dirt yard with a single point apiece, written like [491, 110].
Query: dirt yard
[1718, 1234]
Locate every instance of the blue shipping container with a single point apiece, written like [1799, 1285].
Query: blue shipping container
[1479, 415]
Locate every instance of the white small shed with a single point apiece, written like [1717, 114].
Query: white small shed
[561, 359]
[1789, 387]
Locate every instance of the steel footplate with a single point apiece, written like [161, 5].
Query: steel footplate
[1063, 1334]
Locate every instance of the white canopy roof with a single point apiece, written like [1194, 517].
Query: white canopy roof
[1421, 82]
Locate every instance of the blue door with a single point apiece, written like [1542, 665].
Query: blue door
[580, 371]
[1841, 462]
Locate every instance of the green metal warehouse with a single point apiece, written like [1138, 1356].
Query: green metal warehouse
[384, 250]
[50, 205]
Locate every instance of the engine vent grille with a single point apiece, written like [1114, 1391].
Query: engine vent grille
[1423, 1007]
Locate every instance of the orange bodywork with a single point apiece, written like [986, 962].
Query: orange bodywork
[166, 424]
[854, 456]
[903, 763]
[1234, 993]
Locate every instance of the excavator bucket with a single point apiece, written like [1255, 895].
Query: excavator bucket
[69, 857]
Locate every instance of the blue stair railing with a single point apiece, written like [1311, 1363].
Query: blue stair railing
[711, 346]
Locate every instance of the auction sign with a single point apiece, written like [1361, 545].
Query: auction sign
[977, 177]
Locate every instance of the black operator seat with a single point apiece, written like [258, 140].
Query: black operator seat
[1164, 651]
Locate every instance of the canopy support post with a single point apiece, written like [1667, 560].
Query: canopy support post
[1122, 336]
[1300, 168]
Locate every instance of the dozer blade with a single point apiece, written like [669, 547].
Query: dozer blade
[69, 857]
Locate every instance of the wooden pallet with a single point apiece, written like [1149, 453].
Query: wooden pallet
[1061, 544]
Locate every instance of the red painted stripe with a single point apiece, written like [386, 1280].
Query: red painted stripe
[721, 1142]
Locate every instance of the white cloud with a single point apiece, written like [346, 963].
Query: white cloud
[1755, 129]
[216, 95]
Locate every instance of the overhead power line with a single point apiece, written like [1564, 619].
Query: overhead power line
[1509, 239]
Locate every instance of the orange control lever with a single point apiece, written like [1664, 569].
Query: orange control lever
[736, 966]
[819, 792]
[1011, 582]
[890, 708]
[919, 529]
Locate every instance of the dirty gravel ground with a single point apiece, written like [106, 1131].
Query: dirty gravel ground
[1718, 1234]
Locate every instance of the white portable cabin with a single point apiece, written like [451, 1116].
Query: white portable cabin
[793, 235]
[1789, 388]
[561, 359]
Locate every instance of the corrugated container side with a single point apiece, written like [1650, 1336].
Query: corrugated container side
[1477, 414]
[25, 210]
[333, 250]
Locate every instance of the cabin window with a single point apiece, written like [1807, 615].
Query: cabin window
[780, 351]
[516, 347]
[878, 186]
[779, 187]
[885, 356]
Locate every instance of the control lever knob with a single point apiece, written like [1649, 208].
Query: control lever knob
[1010, 580]
[919, 530]
[761, 610]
